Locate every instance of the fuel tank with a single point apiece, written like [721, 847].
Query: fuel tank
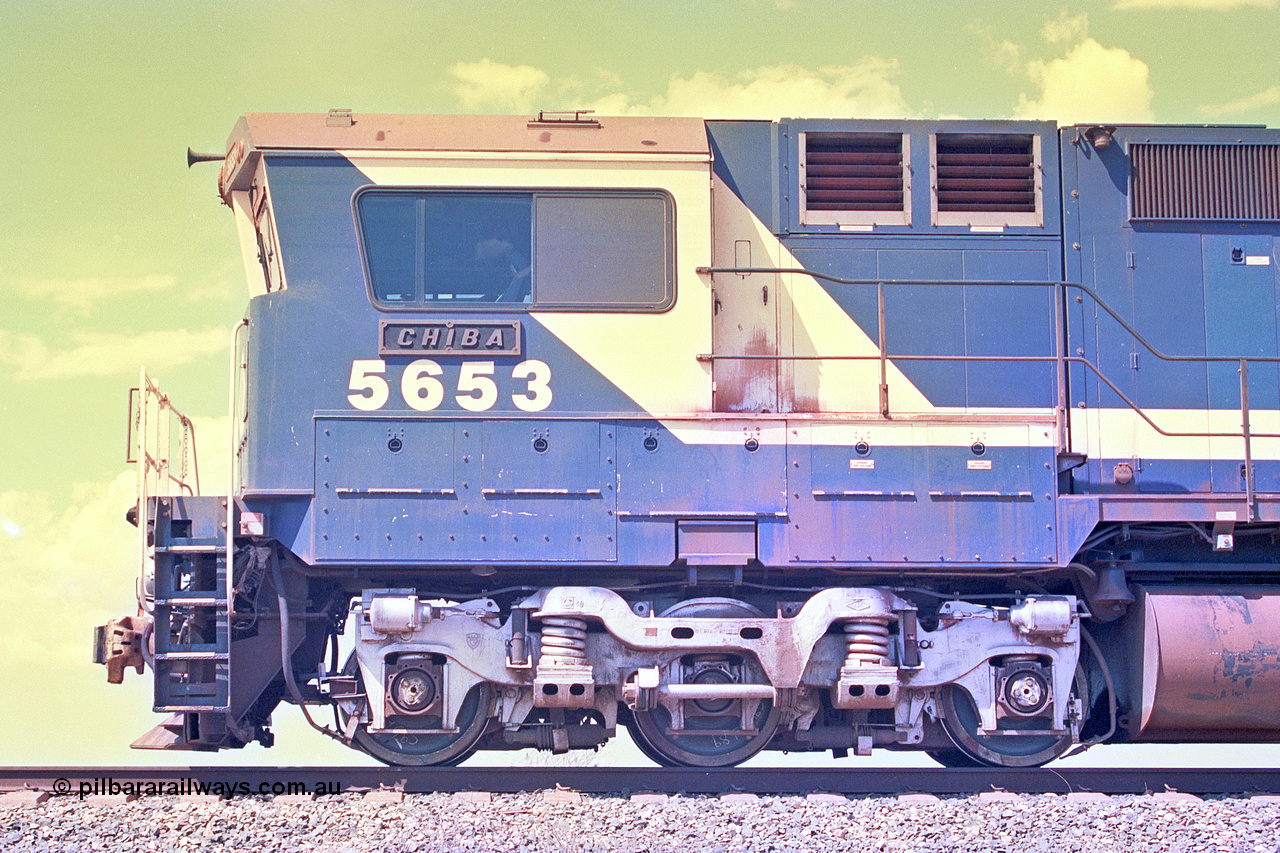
[1210, 664]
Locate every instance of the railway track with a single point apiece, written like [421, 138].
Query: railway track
[90, 781]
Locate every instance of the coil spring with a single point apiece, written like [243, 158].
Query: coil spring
[564, 641]
[866, 642]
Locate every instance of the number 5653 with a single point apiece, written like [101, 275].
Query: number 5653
[421, 387]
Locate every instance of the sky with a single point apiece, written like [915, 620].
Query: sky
[114, 255]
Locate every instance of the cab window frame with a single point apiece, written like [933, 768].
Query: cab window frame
[661, 273]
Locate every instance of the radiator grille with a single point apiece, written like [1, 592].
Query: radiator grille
[854, 171]
[986, 173]
[1236, 182]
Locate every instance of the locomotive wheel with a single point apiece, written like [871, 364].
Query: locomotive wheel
[429, 748]
[698, 745]
[953, 758]
[641, 744]
[961, 721]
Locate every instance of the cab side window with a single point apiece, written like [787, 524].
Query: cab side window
[546, 250]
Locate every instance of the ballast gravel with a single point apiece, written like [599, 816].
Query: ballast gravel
[536, 822]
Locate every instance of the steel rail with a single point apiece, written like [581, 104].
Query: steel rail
[855, 781]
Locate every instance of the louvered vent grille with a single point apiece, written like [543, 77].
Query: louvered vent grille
[986, 173]
[1236, 182]
[854, 171]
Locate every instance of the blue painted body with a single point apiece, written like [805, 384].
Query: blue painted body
[595, 478]
[1176, 283]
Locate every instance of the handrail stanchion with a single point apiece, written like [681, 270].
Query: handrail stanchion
[1247, 435]
[1060, 364]
[884, 363]
[234, 466]
[143, 462]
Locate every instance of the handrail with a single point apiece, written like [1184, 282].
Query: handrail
[152, 449]
[152, 416]
[1043, 359]
[954, 282]
[239, 369]
[238, 415]
[1060, 359]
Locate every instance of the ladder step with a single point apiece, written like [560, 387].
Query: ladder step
[160, 709]
[191, 549]
[162, 656]
[203, 601]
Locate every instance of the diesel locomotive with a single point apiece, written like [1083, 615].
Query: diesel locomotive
[954, 436]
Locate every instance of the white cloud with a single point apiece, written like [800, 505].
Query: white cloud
[489, 85]
[83, 294]
[1066, 28]
[1090, 83]
[70, 570]
[1009, 55]
[31, 358]
[1266, 98]
[79, 297]
[1210, 5]
[73, 566]
[1080, 80]
[864, 89]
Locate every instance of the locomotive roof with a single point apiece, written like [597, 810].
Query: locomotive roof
[558, 133]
